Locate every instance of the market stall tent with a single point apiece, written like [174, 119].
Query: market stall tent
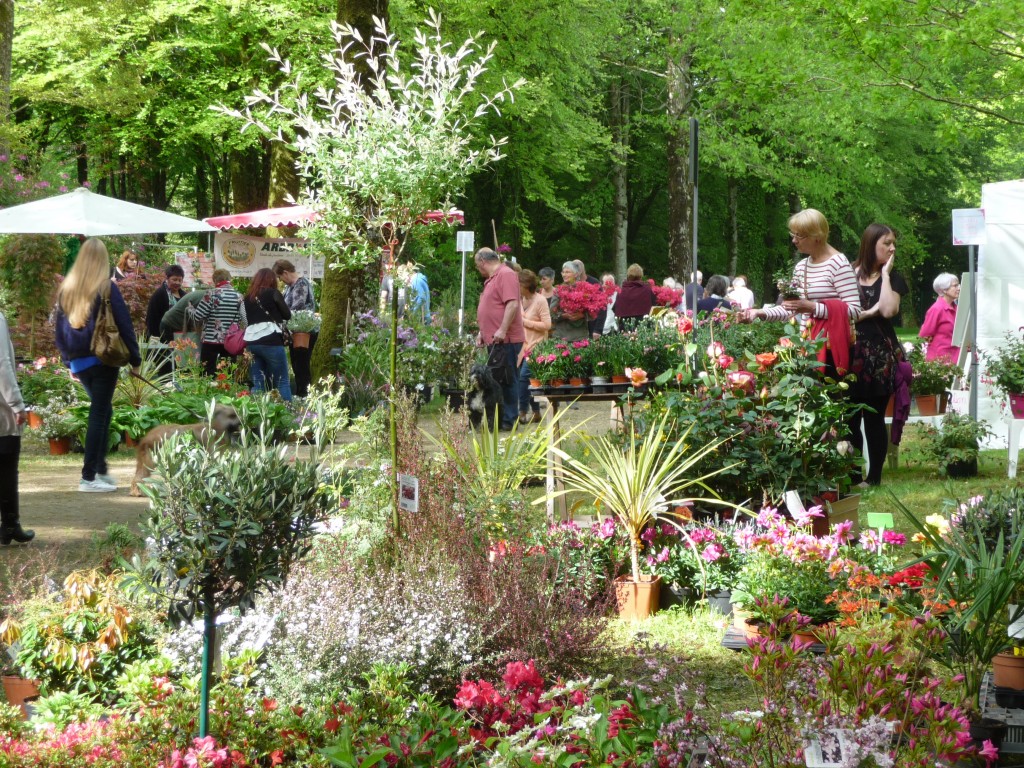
[1000, 285]
[83, 212]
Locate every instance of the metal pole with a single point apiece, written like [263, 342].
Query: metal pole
[462, 294]
[973, 333]
[694, 245]
[209, 643]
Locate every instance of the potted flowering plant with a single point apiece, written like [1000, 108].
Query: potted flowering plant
[582, 298]
[931, 382]
[302, 324]
[61, 422]
[43, 379]
[955, 446]
[706, 562]
[642, 487]
[1006, 367]
[976, 557]
[576, 360]
[545, 361]
[789, 285]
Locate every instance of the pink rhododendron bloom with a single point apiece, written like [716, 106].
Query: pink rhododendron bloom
[989, 752]
[662, 557]
[648, 535]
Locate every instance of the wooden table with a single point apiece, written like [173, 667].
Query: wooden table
[553, 479]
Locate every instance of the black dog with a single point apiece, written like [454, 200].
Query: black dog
[483, 397]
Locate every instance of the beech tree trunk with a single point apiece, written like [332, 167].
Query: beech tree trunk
[680, 193]
[734, 227]
[620, 176]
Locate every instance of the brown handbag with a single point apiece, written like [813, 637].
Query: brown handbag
[107, 343]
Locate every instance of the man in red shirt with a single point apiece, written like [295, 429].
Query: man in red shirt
[500, 318]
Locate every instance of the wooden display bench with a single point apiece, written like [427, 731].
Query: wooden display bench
[556, 507]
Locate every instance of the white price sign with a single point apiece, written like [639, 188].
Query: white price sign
[968, 226]
[464, 241]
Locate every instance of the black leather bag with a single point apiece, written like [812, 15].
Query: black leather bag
[498, 365]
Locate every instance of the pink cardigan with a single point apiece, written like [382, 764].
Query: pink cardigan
[536, 322]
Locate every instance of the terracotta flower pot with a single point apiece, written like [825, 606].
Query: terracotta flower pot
[60, 446]
[930, 405]
[35, 421]
[300, 340]
[620, 378]
[556, 383]
[1008, 671]
[637, 599]
[536, 383]
[576, 382]
[18, 690]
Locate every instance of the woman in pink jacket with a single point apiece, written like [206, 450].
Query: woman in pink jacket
[536, 324]
[937, 328]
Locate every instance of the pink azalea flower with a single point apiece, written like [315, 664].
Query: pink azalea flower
[989, 752]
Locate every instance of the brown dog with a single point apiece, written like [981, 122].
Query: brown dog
[225, 422]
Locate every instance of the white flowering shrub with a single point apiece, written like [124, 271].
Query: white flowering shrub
[333, 625]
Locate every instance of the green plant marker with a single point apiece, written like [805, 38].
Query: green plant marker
[209, 630]
[880, 520]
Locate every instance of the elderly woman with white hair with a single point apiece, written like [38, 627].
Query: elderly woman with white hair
[568, 326]
[740, 295]
[937, 328]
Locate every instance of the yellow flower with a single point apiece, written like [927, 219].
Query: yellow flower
[918, 538]
[939, 523]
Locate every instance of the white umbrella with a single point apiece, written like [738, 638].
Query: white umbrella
[85, 213]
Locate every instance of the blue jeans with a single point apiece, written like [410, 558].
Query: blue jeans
[526, 401]
[99, 382]
[270, 369]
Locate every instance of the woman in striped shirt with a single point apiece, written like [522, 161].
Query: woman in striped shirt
[218, 311]
[824, 274]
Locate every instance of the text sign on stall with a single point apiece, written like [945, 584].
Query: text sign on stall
[464, 241]
[968, 226]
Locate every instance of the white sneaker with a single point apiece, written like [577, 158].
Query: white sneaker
[108, 479]
[95, 486]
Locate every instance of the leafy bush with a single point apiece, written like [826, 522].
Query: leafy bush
[1006, 366]
[80, 641]
[783, 420]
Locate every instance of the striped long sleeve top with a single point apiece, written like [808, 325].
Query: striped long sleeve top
[217, 311]
[831, 279]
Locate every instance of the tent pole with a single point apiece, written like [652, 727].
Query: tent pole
[973, 332]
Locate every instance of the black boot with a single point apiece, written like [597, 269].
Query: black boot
[15, 533]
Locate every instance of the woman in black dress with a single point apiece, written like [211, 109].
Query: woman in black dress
[878, 348]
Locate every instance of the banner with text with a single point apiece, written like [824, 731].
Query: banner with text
[243, 255]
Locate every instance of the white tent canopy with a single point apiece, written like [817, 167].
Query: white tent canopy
[1000, 284]
[86, 213]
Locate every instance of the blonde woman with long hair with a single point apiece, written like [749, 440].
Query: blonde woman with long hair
[78, 301]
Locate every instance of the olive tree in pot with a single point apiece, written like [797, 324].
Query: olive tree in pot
[225, 525]
[641, 486]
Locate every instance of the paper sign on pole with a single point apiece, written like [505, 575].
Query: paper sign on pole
[464, 241]
[968, 226]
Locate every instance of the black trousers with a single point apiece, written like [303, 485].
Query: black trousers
[10, 453]
[875, 432]
[300, 366]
